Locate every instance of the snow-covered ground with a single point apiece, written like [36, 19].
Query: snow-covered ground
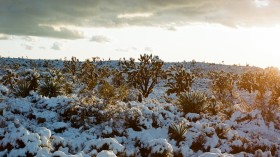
[64, 126]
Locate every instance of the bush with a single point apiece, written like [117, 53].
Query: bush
[213, 106]
[179, 80]
[88, 74]
[193, 102]
[33, 78]
[143, 76]
[178, 132]
[252, 82]
[111, 94]
[222, 84]
[118, 78]
[50, 88]
[22, 89]
[10, 78]
[72, 66]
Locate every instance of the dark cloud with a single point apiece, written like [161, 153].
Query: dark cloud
[37, 18]
[100, 39]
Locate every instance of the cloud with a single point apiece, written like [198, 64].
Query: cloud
[27, 47]
[129, 49]
[56, 46]
[148, 49]
[4, 37]
[28, 38]
[42, 18]
[100, 39]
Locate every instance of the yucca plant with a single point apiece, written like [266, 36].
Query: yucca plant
[193, 102]
[50, 88]
[178, 132]
[22, 89]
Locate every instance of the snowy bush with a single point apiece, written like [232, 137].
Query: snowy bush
[179, 80]
[143, 76]
[193, 102]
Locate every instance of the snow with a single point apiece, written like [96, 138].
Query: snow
[106, 153]
[139, 129]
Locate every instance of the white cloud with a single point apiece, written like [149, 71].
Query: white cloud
[148, 49]
[27, 47]
[4, 37]
[134, 15]
[100, 39]
[56, 46]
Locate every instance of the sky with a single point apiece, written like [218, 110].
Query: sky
[220, 31]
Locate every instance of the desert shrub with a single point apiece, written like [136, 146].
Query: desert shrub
[22, 89]
[132, 119]
[28, 81]
[58, 76]
[106, 91]
[72, 66]
[118, 78]
[50, 88]
[222, 85]
[198, 143]
[213, 106]
[143, 76]
[179, 80]
[111, 94]
[193, 102]
[88, 74]
[252, 82]
[32, 77]
[10, 78]
[178, 132]
[104, 72]
[274, 86]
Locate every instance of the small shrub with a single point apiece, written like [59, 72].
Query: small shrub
[22, 89]
[193, 102]
[143, 76]
[106, 92]
[213, 106]
[179, 80]
[88, 74]
[118, 78]
[222, 85]
[72, 66]
[198, 143]
[252, 82]
[50, 88]
[32, 77]
[178, 132]
[10, 78]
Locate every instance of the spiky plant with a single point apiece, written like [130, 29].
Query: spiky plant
[50, 88]
[193, 102]
[145, 75]
[22, 89]
[178, 132]
[222, 85]
[10, 78]
[88, 74]
[72, 66]
[179, 80]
